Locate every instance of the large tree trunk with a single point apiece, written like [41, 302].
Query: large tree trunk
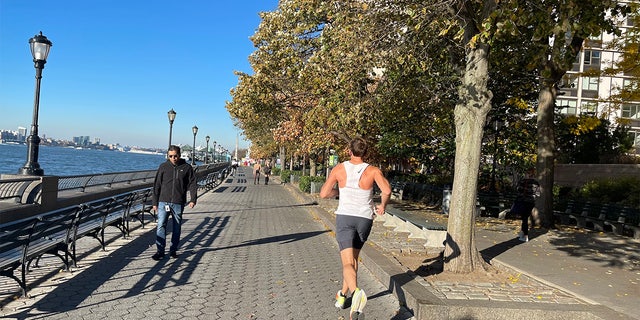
[461, 254]
[543, 216]
[551, 74]
[312, 166]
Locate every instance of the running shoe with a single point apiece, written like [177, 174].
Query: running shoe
[340, 300]
[358, 301]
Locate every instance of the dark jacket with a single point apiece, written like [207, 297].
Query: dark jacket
[172, 183]
[528, 190]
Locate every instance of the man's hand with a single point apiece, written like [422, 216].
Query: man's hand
[154, 209]
[380, 210]
[192, 204]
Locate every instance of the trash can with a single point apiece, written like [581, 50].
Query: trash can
[446, 199]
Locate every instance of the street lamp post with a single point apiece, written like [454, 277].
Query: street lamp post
[193, 158]
[214, 152]
[40, 47]
[172, 116]
[206, 153]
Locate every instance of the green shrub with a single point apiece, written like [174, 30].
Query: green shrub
[305, 182]
[285, 176]
[276, 171]
[622, 191]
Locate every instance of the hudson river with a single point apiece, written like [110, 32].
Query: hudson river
[61, 161]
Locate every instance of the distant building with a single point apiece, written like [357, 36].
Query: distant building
[82, 140]
[9, 136]
[584, 95]
[22, 134]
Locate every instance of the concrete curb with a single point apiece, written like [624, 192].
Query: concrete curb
[423, 304]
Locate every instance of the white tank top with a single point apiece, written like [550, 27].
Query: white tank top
[355, 201]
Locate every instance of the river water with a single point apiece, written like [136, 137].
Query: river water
[61, 161]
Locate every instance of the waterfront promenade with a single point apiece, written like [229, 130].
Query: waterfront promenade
[249, 252]
[267, 252]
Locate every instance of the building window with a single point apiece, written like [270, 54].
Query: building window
[590, 83]
[631, 111]
[569, 81]
[629, 84]
[568, 107]
[592, 57]
[589, 108]
[635, 135]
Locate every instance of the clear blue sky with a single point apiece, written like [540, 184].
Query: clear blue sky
[117, 66]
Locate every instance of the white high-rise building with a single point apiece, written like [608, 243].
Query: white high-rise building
[22, 134]
[584, 95]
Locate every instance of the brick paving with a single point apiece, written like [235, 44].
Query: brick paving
[515, 287]
[261, 252]
[249, 252]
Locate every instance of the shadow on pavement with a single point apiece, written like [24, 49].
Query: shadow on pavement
[85, 283]
[609, 250]
[249, 208]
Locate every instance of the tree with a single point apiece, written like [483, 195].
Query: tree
[559, 40]
[589, 139]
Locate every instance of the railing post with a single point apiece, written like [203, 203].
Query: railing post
[49, 191]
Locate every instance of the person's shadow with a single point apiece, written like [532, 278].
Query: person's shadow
[491, 252]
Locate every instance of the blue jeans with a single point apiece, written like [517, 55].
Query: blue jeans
[161, 231]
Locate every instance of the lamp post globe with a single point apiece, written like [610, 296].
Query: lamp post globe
[172, 116]
[206, 151]
[193, 151]
[40, 47]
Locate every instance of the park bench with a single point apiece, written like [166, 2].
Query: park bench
[631, 224]
[25, 240]
[397, 189]
[620, 220]
[97, 215]
[140, 204]
[494, 204]
[615, 217]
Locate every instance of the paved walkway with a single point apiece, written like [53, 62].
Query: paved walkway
[568, 272]
[249, 252]
[261, 252]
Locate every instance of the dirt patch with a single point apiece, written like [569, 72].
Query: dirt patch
[430, 268]
[430, 265]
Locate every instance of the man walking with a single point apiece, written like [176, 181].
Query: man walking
[354, 216]
[173, 179]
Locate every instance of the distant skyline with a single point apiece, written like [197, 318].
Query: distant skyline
[117, 67]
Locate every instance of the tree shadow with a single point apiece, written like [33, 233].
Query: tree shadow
[609, 250]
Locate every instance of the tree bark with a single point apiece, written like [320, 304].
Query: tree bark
[461, 254]
[543, 213]
[312, 166]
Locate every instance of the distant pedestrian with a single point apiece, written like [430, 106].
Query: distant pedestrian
[528, 190]
[173, 179]
[354, 217]
[234, 167]
[267, 173]
[256, 172]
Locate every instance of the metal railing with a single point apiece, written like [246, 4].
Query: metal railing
[28, 189]
[13, 190]
[104, 179]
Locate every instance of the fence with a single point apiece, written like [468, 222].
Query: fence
[24, 196]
